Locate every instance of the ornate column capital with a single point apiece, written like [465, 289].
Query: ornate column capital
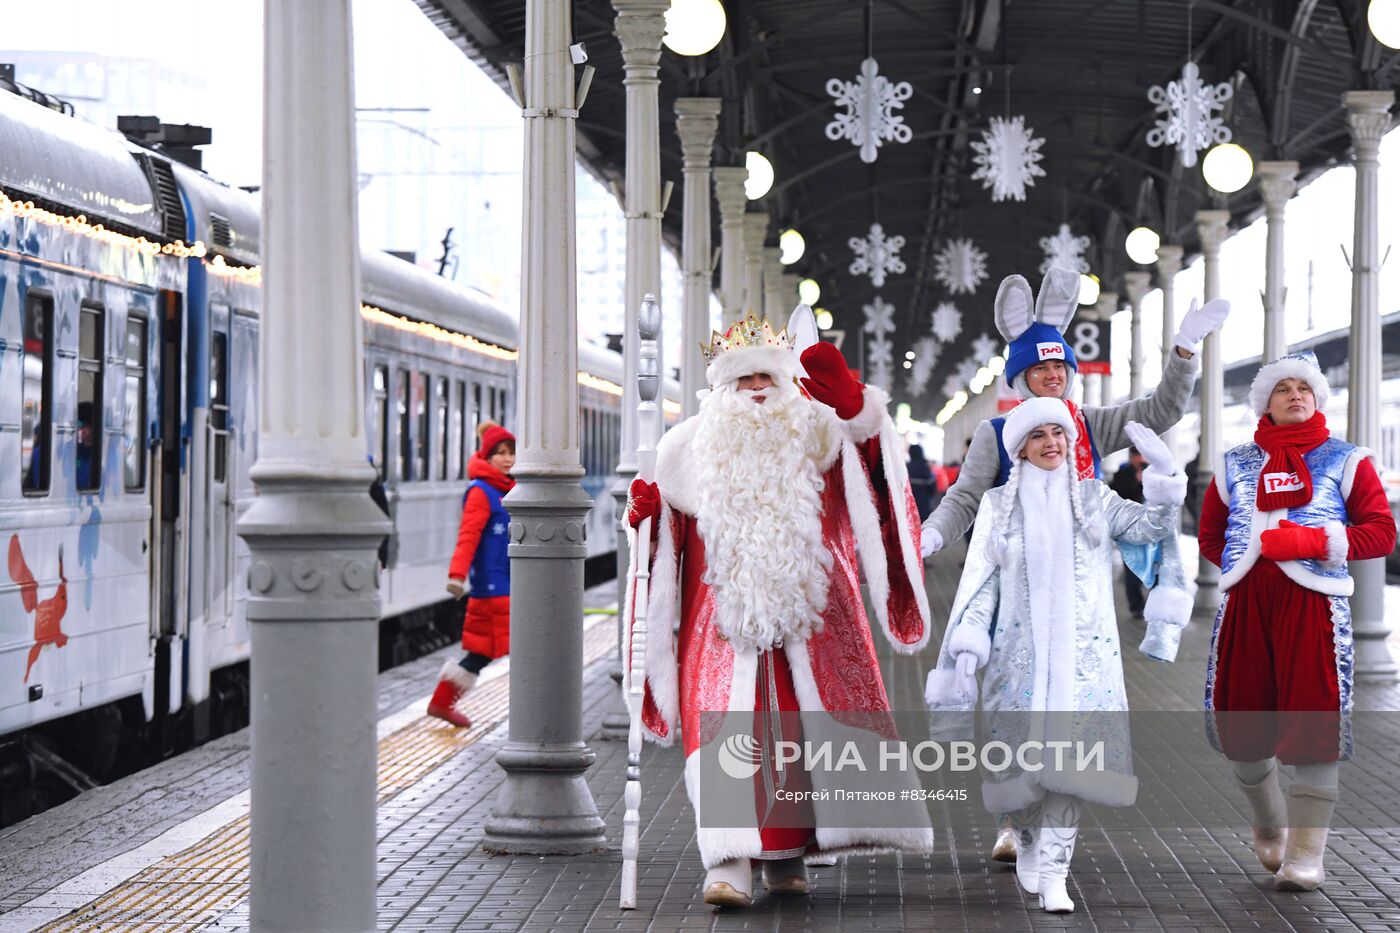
[729, 189]
[1106, 306]
[639, 27]
[1212, 227]
[1278, 181]
[697, 119]
[755, 232]
[1136, 284]
[1168, 262]
[1368, 119]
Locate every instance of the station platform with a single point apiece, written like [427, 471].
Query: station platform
[167, 849]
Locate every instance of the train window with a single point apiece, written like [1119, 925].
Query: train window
[491, 405]
[441, 423]
[381, 418]
[36, 420]
[459, 431]
[477, 413]
[420, 436]
[218, 403]
[401, 401]
[134, 407]
[87, 433]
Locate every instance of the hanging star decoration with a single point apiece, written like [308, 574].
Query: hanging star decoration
[1188, 118]
[879, 360]
[879, 317]
[876, 255]
[960, 266]
[984, 348]
[952, 386]
[967, 371]
[926, 352]
[1064, 250]
[870, 119]
[1007, 158]
[947, 322]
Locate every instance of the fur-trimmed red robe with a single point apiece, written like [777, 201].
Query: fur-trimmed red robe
[869, 521]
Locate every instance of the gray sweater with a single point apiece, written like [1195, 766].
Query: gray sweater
[1159, 410]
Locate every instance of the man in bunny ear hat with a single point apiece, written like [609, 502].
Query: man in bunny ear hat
[1281, 519]
[1041, 364]
[767, 503]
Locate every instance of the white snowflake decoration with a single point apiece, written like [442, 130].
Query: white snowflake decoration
[1064, 250]
[967, 371]
[870, 119]
[1007, 158]
[951, 386]
[926, 352]
[876, 255]
[947, 322]
[984, 348]
[1189, 120]
[960, 266]
[879, 361]
[879, 317]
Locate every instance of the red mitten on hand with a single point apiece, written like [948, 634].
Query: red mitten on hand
[830, 380]
[1291, 541]
[643, 501]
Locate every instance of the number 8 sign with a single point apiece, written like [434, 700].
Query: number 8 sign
[1091, 341]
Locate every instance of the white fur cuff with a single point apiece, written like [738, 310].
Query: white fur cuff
[1168, 604]
[1338, 546]
[1159, 488]
[941, 691]
[874, 411]
[971, 639]
[457, 675]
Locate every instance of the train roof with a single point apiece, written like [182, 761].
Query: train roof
[399, 286]
[225, 218]
[75, 164]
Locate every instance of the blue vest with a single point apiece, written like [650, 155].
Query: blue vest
[1328, 465]
[1004, 470]
[490, 570]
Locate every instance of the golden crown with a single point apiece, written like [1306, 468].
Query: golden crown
[748, 332]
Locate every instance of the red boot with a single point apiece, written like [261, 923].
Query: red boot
[453, 684]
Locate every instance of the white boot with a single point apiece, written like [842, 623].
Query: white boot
[730, 884]
[1269, 818]
[1026, 840]
[1056, 849]
[785, 876]
[1309, 815]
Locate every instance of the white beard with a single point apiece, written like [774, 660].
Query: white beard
[759, 514]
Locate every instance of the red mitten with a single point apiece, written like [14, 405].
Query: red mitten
[830, 380]
[643, 501]
[1291, 541]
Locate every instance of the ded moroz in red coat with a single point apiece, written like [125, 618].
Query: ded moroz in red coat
[486, 628]
[868, 521]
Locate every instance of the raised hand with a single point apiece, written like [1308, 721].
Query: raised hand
[1153, 449]
[1200, 323]
[829, 380]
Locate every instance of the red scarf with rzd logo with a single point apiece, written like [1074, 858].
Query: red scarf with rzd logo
[1285, 482]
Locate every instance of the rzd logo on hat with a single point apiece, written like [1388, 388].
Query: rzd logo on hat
[739, 756]
[1282, 482]
[1050, 351]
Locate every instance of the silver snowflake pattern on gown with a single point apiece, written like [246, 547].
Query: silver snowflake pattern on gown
[870, 119]
[984, 348]
[926, 352]
[960, 266]
[879, 317]
[1188, 118]
[967, 369]
[1007, 158]
[951, 386]
[947, 322]
[1064, 250]
[879, 360]
[876, 255]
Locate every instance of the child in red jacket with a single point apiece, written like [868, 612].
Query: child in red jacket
[480, 566]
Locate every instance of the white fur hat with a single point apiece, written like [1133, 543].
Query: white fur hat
[1031, 414]
[1301, 365]
[777, 362]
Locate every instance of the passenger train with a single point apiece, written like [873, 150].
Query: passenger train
[129, 345]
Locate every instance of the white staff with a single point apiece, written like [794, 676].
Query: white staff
[638, 578]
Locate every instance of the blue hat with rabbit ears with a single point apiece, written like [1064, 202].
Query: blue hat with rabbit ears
[1035, 328]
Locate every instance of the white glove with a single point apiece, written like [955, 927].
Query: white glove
[458, 588]
[930, 541]
[967, 675]
[1152, 448]
[1199, 323]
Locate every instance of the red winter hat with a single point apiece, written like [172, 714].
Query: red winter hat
[491, 435]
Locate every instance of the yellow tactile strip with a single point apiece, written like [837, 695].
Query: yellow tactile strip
[194, 887]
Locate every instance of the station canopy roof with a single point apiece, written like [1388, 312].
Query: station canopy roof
[1078, 71]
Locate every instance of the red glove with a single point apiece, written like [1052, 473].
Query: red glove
[643, 501]
[830, 380]
[1291, 541]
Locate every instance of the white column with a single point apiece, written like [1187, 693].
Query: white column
[755, 231]
[729, 194]
[788, 289]
[1368, 118]
[1098, 390]
[1168, 265]
[697, 118]
[773, 287]
[1137, 284]
[1277, 183]
[544, 806]
[1212, 227]
[313, 597]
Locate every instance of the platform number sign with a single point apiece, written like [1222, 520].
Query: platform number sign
[1091, 341]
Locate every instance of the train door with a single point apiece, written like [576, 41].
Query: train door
[167, 498]
[218, 503]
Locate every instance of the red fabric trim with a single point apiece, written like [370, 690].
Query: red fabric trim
[1210, 532]
[1371, 531]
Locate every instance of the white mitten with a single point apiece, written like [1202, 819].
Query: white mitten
[967, 675]
[1153, 449]
[930, 541]
[1200, 323]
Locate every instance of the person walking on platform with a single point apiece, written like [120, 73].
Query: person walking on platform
[481, 567]
[920, 480]
[1281, 519]
[1034, 612]
[763, 503]
[1042, 365]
